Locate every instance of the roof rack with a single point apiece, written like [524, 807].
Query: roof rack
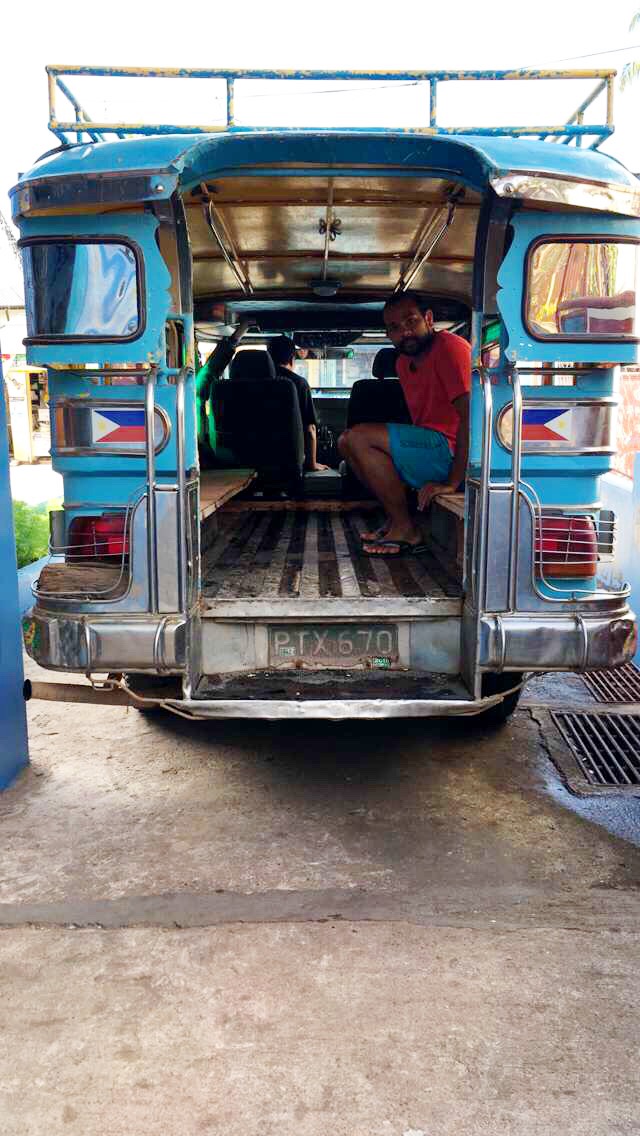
[574, 130]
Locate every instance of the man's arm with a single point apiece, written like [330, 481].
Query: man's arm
[458, 469]
[218, 360]
[310, 446]
[310, 433]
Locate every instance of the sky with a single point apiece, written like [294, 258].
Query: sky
[336, 34]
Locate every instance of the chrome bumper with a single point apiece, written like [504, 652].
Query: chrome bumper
[61, 642]
[575, 641]
[333, 709]
[520, 642]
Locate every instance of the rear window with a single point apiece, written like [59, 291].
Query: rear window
[332, 375]
[82, 290]
[579, 289]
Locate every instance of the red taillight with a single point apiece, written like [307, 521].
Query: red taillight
[566, 546]
[98, 538]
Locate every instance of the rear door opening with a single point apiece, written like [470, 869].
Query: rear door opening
[315, 258]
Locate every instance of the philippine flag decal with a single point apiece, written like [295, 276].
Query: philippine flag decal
[118, 427]
[547, 424]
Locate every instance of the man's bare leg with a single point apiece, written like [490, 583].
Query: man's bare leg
[348, 452]
[366, 448]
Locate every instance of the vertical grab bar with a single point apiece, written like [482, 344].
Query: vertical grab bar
[516, 462]
[485, 478]
[182, 489]
[150, 450]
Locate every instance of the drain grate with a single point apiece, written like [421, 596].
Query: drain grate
[622, 684]
[605, 746]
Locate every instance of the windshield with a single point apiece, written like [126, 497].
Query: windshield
[327, 370]
[330, 375]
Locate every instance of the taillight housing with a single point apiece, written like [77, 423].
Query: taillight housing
[566, 546]
[102, 537]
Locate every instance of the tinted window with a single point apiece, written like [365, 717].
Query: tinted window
[582, 289]
[89, 289]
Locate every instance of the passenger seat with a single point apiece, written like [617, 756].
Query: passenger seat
[384, 364]
[373, 400]
[257, 417]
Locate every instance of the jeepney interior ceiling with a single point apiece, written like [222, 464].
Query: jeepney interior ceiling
[341, 236]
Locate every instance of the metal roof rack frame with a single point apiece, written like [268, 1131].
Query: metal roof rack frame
[574, 130]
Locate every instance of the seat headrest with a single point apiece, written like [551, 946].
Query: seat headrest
[384, 364]
[252, 364]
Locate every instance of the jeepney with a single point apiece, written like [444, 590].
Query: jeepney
[221, 580]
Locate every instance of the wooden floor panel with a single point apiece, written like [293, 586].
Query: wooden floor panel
[312, 555]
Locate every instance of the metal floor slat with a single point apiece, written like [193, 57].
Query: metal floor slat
[312, 555]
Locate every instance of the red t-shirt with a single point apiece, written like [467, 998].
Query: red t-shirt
[432, 380]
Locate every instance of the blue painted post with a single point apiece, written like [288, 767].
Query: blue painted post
[634, 573]
[14, 744]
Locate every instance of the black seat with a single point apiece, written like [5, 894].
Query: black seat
[373, 401]
[384, 364]
[251, 364]
[257, 417]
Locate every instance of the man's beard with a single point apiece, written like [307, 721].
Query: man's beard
[414, 344]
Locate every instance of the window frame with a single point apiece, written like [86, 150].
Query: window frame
[572, 239]
[97, 239]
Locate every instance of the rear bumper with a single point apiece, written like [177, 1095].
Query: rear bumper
[564, 642]
[156, 644]
[333, 709]
[62, 642]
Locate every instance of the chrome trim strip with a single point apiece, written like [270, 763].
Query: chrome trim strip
[158, 645]
[182, 491]
[557, 449]
[600, 196]
[85, 371]
[86, 628]
[271, 609]
[336, 710]
[502, 639]
[84, 407]
[582, 628]
[485, 473]
[516, 463]
[591, 506]
[152, 564]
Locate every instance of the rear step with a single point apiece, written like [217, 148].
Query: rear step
[307, 685]
[334, 695]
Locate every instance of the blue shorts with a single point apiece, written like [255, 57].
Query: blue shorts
[419, 454]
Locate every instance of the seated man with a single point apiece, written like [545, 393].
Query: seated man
[434, 369]
[282, 350]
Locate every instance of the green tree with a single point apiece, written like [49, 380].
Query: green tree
[630, 71]
[31, 527]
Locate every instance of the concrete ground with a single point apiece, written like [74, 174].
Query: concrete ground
[365, 929]
[35, 483]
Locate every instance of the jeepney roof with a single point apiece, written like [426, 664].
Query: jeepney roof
[391, 189]
[478, 161]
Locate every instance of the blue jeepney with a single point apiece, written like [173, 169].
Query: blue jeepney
[195, 564]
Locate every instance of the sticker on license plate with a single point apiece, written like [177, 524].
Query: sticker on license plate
[342, 644]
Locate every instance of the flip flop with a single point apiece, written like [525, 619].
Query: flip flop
[375, 537]
[404, 548]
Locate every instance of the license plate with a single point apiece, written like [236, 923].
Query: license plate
[336, 645]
